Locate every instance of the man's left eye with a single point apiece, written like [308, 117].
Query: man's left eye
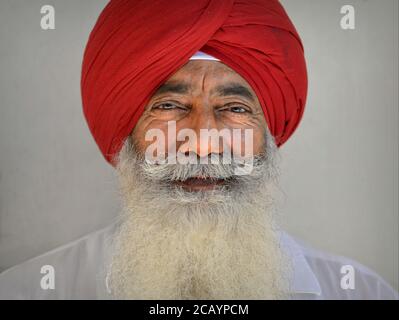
[238, 109]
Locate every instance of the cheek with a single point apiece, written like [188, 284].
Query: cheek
[250, 143]
[151, 133]
[259, 141]
[252, 138]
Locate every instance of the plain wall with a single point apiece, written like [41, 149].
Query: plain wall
[339, 171]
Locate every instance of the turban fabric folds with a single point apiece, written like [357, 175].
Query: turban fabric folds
[136, 45]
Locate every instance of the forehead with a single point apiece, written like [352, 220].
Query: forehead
[215, 71]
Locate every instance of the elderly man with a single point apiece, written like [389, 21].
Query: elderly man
[190, 101]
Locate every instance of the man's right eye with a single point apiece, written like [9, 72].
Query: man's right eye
[166, 106]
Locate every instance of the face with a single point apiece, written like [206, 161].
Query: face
[203, 95]
[199, 231]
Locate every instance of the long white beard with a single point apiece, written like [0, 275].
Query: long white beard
[219, 244]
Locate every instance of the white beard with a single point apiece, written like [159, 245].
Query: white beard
[219, 244]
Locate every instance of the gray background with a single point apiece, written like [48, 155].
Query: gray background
[340, 169]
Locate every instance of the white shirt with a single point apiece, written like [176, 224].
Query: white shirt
[78, 273]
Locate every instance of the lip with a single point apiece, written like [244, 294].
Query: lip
[199, 184]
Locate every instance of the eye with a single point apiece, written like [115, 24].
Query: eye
[237, 109]
[166, 106]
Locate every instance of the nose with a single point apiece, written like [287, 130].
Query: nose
[207, 141]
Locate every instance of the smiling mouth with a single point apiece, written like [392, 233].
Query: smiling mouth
[200, 184]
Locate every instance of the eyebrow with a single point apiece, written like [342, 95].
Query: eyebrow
[173, 87]
[234, 89]
[229, 89]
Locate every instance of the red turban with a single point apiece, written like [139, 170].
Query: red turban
[136, 45]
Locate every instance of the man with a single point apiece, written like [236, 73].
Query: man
[190, 102]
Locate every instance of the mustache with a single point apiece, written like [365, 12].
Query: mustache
[212, 167]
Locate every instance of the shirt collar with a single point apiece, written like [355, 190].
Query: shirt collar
[303, 278]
